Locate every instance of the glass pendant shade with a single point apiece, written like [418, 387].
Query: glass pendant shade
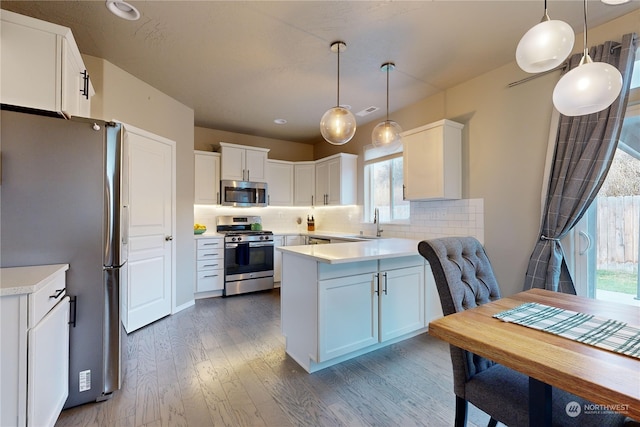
[545, 46]
[588, 88]
[386, 133]
[338, 125]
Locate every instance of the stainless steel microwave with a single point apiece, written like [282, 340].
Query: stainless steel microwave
[243, 193]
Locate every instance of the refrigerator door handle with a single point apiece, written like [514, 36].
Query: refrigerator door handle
[113, 267]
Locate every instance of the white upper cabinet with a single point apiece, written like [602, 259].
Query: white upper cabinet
[207, 178]
[243, 163]
[304, 183]
[280, 182]
[42, 67]
[336, 180]
[432, 161]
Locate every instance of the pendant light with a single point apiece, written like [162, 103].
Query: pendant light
[545, 46]
[387, 132]
[588, 88]
[338, 125]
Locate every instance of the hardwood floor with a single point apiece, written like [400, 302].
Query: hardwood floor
[222, 363]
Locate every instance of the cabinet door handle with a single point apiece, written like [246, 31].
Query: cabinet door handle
[376, 283]
[85, 84]
[403, 197]
[311, 200]
[385, 282]
[58, 293]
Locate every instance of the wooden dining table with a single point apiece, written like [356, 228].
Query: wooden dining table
[598, 375]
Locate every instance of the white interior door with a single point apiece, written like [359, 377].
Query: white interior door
[149, 201]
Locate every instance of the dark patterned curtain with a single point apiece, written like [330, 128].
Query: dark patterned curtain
[585, 146]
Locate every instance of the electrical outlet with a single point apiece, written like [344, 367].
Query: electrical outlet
[85, 380]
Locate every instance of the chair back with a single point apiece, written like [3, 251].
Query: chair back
[464, 279]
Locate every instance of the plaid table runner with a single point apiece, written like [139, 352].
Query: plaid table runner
[608, 334]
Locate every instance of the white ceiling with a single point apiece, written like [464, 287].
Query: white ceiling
[242, 64]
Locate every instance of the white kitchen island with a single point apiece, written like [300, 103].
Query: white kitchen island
[342, 300]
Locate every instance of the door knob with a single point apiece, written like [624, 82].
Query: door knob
[168, 238]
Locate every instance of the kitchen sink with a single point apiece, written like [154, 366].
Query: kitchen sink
[363, 237]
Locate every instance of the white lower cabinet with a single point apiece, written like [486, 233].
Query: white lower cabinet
[277, 258]
[401, 297]
[347, 315]
[209, 264]
[290, 240]
[432, 306]
[34, 337]
[383, 302]
[48, 367]
[295, 240]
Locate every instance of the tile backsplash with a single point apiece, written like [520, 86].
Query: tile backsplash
[429, 220]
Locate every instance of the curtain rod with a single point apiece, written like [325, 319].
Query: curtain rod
[535, 76]
[559, 67]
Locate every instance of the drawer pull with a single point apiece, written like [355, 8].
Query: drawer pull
[210, 265]
[211, 244]
[58, 293]
[211, 275]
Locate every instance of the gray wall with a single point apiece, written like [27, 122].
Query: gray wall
[121, 96]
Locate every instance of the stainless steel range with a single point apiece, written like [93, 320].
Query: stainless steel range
[248, 254]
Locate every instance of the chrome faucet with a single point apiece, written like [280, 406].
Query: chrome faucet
[376, 221]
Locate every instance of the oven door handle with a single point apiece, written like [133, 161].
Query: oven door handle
[259, 244]
[230, 245]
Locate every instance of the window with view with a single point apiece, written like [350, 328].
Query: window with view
[383, 180]
[606, 240]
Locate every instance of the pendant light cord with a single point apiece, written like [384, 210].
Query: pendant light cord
[338, 95]
[388, 66]
[586, 51]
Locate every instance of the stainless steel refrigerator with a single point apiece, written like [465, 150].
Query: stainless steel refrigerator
[60, 203]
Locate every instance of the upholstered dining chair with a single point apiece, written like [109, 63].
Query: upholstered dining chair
[465, 279]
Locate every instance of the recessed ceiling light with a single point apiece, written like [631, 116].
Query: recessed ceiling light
[123, 10]
[280, 121]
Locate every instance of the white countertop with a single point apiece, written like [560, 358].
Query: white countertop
[325, 234]
[26, 280]
[336, 253]
[209, 234]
